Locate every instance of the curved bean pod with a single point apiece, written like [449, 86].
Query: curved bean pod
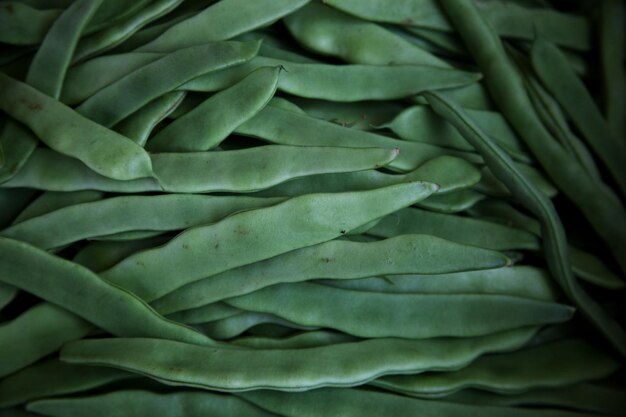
[25, 25]
[242, 239]
[146, 403]
[204, 314]
[330, 32]
[207, 125]
[138, 126]
[555, 364]
[64, 130]
[518, 281]
[233, 326]
[607, 217]
[452, 202]
[85, 294]
[343, 83]
[99, 256]
[304, 340]
[400, 315]
[337, 259]
[221, 21]
[358, 402]
[154, 213]
[456, 228]
[51, 201]
[7, 294]
[555, 241]
[51, 378]
[162, 76]
[176, 363]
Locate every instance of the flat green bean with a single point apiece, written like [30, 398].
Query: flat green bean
[555, 364]
[554, 239]
[25, 25]
[51, 201]
[82, 292]
[99, 256]
[64, 130]
[134, 403]
[337, 259]
[452, 202]
[162, 76]
[206, 313]
[176, 363]
[208, 124]
[233, 326]
[224, 20]
[304, 340]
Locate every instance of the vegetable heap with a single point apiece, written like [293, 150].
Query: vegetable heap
[312, 208]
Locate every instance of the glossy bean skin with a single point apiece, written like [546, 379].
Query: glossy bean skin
[220, 21]
[330, 32]
[241, 239]
[139, 125]
[154, 213]
[509, 20]
[343, 83]
[36, 333]
[61, 128]
[207, 125]
[559, 78]
[554, 238]
[455, 228]
[51, 378]
[508, 92]
[183, 364]
[399, 315]
[337, 259]
[28, 268]
[134, 403]
[555, 364]
[160, 77]
[518, 281]
[356, 402]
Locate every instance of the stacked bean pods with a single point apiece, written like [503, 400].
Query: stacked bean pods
[312, 208]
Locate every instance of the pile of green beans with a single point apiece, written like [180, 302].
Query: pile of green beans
[287, 208]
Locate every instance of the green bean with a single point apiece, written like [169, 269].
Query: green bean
[52, 171]
[128, 236]
[12, 202]
[612, 35]
[87, 78]
[508, 20]
[242, 239]
[518, 281]
[330, 32]
[176, 363]
[344, 83]
[447, 43]
[221, 21]
[25, 25]
[363, 115]
[271, 124]
[338, 259]
[452, 202]
[128, 213]
[52, 201]
[38, 332]
[559, 78]
[400, 315]
[51, 378]
[134, 403]
[507, 89]
[140, 124]
[82, 292]
[99, 256]
[474, 96]
[113, 35]
[233, 326]
[7, 294]
[359, 402]
[207, 125]
[458, 229]
[64, 130]
[583, 397]
[555, 241]
[162, 76]
[204, 314]
[112, 11]
[45, 73]
[555, 364]
[420, 124]
[304, 340]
